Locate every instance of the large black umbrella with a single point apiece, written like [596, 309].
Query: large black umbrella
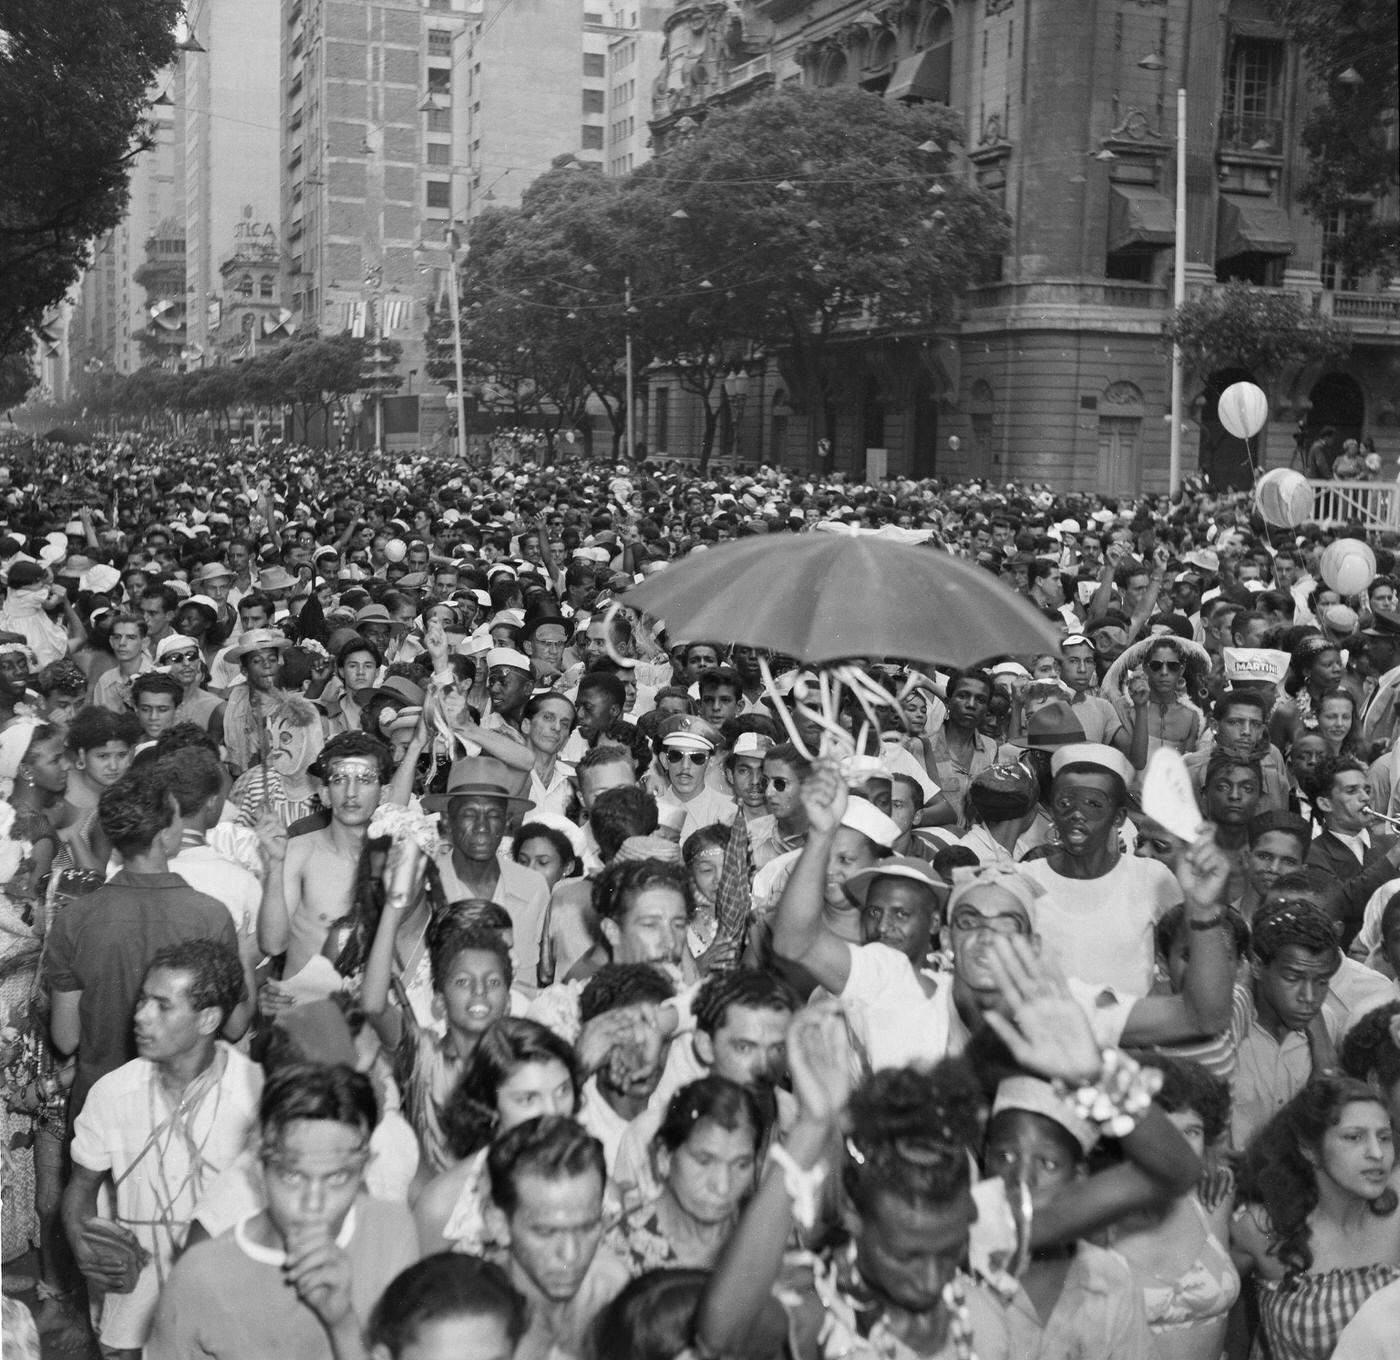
[821, 597]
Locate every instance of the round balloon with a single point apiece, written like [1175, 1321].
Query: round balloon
[1348, 566]
[1284, 498]
[1243, 409]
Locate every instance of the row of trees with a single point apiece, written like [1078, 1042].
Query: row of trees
[309, 377]
[768, 228]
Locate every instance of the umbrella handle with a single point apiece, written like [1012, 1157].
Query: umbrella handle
[783, 713]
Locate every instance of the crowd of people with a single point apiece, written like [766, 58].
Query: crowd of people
[412, 950]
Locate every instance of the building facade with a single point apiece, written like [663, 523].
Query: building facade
[1056, 370]
[226, 102]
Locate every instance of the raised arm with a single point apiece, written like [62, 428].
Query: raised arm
[382, 1014]
[274, 912]
[799, 933]
[1203, 1006]
[743, 1280]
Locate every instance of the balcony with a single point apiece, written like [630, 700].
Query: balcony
[1369, 315]
[1374, 504]
[1061, 293]
[736, 77]
[1251, 134]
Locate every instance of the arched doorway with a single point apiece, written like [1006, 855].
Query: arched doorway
[1337, 401]
[1223, 458]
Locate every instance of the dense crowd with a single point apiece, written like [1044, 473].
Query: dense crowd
[412, 950]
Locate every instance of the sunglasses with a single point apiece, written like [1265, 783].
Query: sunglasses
[1157, 667]
[694, 757]
[182, 656]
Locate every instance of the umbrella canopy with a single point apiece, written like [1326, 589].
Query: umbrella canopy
[59, 435]
[822, 597]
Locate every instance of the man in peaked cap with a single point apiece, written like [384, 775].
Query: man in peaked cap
[684, 745]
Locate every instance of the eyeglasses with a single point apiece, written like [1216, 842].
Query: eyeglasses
[340, 780]
[1157, 667]
[182, 656]
[694, 757]
[973, 923]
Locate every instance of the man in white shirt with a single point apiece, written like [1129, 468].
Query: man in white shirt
[1099, 907]
[685, 745]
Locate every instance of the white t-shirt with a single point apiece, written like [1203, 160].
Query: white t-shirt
[888, 1013]
[1100, 929]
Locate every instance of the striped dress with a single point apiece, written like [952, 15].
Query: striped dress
[1304, 1315]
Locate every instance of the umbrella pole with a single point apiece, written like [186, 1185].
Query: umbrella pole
[782, 708]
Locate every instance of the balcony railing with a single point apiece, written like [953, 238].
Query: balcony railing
[1251, 132]
[1367, 314]
[1374, 504]
[746, 71]
[1068, 293]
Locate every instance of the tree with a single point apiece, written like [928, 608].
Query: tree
[1351, 55]
[809, 218]
[73, 83]
[1256, 329]
[17, 376]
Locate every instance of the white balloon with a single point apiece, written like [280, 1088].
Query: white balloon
[1284, 498]
[1243, 409]
[1348, 566]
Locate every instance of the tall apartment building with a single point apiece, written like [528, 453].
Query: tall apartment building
[1055, 369]
[635, 34]
[111, 309]
[531, 88]
[226, 102]
[368, 156]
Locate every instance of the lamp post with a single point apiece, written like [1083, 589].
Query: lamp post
[454, 304]
[736, 391]
[1178, 291]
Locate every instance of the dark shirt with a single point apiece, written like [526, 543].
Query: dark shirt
[102, 945]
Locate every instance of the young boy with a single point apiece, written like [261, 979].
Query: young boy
[471, 973]
[448, 1306]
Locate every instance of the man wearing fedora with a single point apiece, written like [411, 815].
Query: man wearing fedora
[258, 655]
[481, 801]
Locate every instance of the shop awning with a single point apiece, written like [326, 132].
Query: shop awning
[922, 76]
[1140, 217]
[1251, 226]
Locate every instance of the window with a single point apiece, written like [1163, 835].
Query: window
[1335, 277]
[1130, 266]
[590, 18]
[265, 286]
[592, 139]
[439, 42]
[439, 193]
[593, 101]
[439, 153]
[1250, 117]
[245, 286]
[594, 65]
[440, 120]
[439, 79]
[661, 402]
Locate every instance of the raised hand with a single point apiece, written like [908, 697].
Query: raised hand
[819, 1058]
[272, 837]
[1047, 1030]
[824, 797]
[1203, 871]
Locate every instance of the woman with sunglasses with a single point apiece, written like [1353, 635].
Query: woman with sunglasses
[1174, 672]
[182, 656]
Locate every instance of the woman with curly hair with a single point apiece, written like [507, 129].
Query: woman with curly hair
[1317, 1225]
[1314, 669]
[1178, 1253]
[520, 1070]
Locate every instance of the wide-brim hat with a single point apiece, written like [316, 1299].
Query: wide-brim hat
[213, 571]
[857, 887]
[483, 776]
[276, 578]
[1051, 726]
[257, 640]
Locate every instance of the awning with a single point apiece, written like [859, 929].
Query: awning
[1251, 226]
[925, 75]
[1139, 217]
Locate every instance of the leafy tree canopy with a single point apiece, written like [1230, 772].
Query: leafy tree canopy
[1241, 326]
[1349, 134]
[73, 83]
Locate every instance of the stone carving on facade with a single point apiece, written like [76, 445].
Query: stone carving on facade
[1136, 127]
[701, 41]
[1121, 395]
[992, 131]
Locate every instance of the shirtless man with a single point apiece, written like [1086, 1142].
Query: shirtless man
[311, 878]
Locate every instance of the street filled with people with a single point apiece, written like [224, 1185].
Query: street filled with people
[573, 910]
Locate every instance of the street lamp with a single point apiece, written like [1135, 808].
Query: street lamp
[736, 391]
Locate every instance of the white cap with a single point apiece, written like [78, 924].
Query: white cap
[508, 656]
[752, 744]
[862, 815]
[1093, 753]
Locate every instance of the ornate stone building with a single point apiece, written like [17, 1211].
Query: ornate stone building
[1056, 370]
